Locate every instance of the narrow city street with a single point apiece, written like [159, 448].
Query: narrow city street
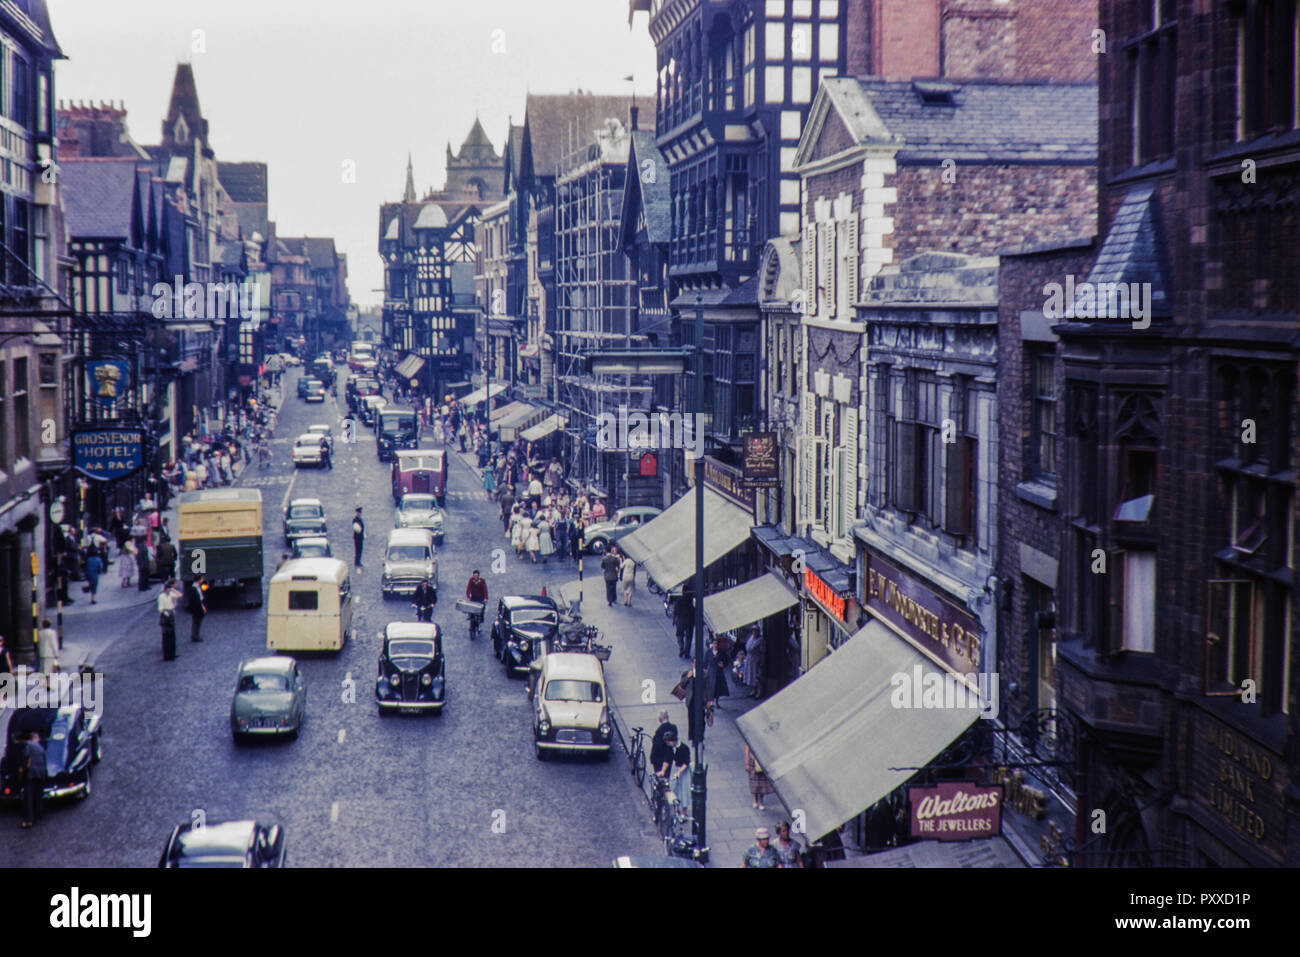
[356, 789]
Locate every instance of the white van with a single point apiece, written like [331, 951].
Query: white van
[310, 606]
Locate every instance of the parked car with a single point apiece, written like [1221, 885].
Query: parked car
[522, 623]
[304, 518]
[270, 698]
[599, 536]
[309, 449]
[420, 510]
[325, 431]
[71, 738]
[395, 429]
[229, 844]
[412, 672]
[313, 547]
[571, 710]
[408, 560]
[370, 408]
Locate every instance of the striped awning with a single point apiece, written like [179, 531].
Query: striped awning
[543, 428]
[410, 366]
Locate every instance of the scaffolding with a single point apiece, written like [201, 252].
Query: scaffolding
[596, 297]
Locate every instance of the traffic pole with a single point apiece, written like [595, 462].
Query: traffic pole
[36, 605]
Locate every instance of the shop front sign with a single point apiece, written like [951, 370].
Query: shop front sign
[956, 811]
[934, 624]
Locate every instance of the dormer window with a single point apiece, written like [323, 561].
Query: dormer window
[936, 94]
[181, 130]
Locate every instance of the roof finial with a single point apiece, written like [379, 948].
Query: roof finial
[408, 195]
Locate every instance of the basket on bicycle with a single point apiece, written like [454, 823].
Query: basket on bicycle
[469, 607]
[601, 651]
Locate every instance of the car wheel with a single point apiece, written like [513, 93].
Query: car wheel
[604, 755]
[505, 660]
[85, 792]
[538, 749]
[381, 709]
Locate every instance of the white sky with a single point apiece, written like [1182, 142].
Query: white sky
[304, 85]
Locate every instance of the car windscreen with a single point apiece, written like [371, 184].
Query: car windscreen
[308, 442]
[313, 551]
[418, 503]
[415, 648]
[56, 745]
[305, 511]
[408, 553]
[241, 861]
[263, 683]
[404, 422]
[569, 689]
[533, 616]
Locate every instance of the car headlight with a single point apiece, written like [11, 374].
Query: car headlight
[523, 644]
[395, 680]
[241, 722]
[604, 723]
[426, 680]
[543, 727]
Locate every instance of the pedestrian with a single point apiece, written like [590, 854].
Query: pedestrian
[665, 730]
[327, 455]
[788, 848]
[598, 510]
[535, 490]
[760, 785]
[94, 568]
[753, 672]
[545, 544]
[6, 658]
[47, 647]
[662, 751]
[32, 773]
[358, 537]
[67, 573]
[762, 853]
[167, 599]
[715, 678]
[678, 779]
[683, 621]
[165, 559]
[687, 684]
[534, 540]
[507, 507]
[627, 575]
[126, 563]
[196, 606]
[575, 538]
[519, 525]
[489, 483]
[609, 565]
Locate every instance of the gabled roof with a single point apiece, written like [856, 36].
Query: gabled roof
[185, 103]
[101, 198]
[1134, 249]
[477, 146]
[646, 188]
[513, 156]
[974, 121]
[319, 253]
[35, 23]
[556, 123]
[243, 182]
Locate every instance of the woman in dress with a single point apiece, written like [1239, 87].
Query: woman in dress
[545, 545]
[753, 671]
[787, 848]
[760, 785]
[489, 482]
[517, 531]
[534, 541]
[715, 680]
[126, 562]
[627, 575]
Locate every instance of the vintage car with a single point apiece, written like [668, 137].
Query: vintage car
[370, 408]
[395, 429]
[325, 432]
[600, 535]
[229, 844]
[306, 383]
[322, 368]
[420, 510]
[315, 391]
[420, 470]
[70, 736]
[304, 518]
[317, 546]
[570, 709]
[309, 449]
[358, 387]
[523, 622]
[408, 560]
[412, 673]
[270, 698]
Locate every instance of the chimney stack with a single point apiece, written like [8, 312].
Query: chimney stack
[635, 110]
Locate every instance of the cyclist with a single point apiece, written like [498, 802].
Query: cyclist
[477, 590]
[425, 598]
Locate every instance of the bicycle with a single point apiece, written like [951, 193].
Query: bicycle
[474, 621]
[636, 756]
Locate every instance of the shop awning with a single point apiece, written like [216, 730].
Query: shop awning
[665, 546]
[479, 395]
[831, 741]
[518, 416]
[745, 604]
[410, 366]
[542, 429]
[510, 408]
[985, 852]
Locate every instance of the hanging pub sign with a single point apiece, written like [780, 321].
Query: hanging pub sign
[728, 480]
[760, 468]
[108, 454]
[108, 379]
[956, 811]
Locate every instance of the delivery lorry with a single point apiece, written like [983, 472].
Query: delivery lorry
[221, 537]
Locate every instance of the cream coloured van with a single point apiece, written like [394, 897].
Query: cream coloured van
[310, 606]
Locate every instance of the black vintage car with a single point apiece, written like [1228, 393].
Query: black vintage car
[233, 844]
[412, 672]
[523, 623]
[396, 429]
[70, 736]
[358, 387]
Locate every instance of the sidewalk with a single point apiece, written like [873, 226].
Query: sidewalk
[641, 670]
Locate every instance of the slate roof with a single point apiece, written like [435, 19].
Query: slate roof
[243, 182]
[987, 121]
[319, 252]
[651, 193]
[97, 196]
[557, 122]
[1133, 250]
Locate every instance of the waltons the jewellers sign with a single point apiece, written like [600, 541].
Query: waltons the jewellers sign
[956, 811]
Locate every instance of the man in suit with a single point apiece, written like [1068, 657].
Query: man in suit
[196, 606]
